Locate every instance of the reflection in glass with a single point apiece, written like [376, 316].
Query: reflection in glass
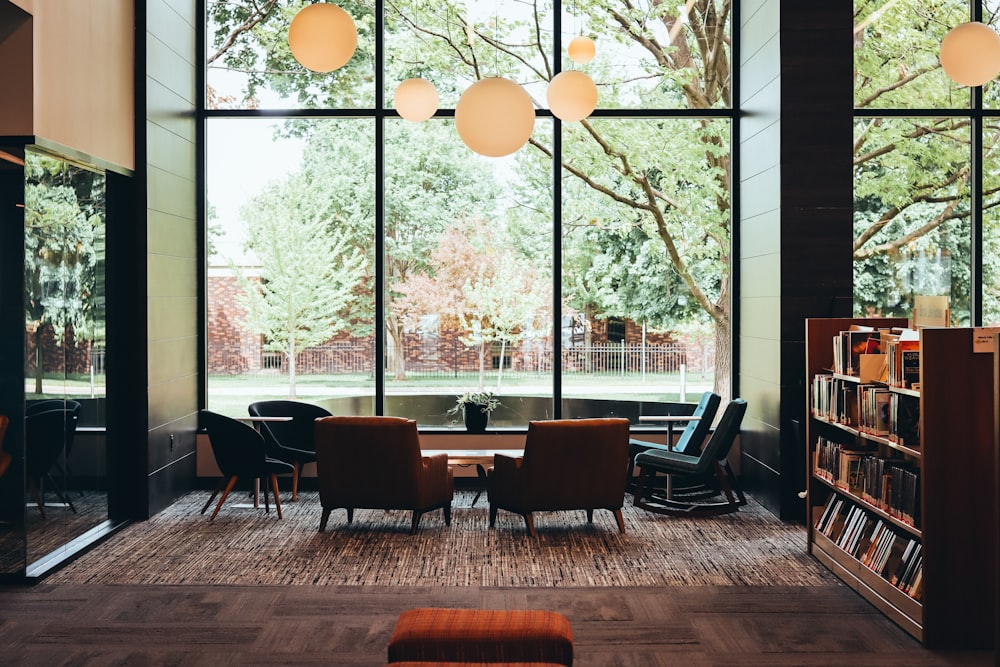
[911, 215]
[65, 386]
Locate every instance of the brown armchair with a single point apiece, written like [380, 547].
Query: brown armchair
[375, 463]
[568, 464]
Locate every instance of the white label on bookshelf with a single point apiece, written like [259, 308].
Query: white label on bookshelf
[982, 338]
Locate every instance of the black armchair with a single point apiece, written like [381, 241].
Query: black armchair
[45, 439]
[690, 440]
[291, 442]
[710, 468]
[69, 434]
[240, 453]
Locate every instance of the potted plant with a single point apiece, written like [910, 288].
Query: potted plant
[476, 407]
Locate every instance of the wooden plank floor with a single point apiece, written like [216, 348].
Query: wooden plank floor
[696, 626]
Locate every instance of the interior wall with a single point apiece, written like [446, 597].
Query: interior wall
[760, 247]
[79, 58]
[17, 110]
[796, 226]
[170, 93]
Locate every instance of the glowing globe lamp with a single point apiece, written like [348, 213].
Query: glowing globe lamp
[494, 117]
[322, 37]
[970, 54]
[572, 95]
[581, 49]
[416, 99]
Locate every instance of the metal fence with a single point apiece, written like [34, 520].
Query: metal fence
[461, 361]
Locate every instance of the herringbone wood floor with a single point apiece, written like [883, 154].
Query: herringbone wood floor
[693, 626]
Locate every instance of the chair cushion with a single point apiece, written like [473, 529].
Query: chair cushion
[475, 635]
[672, 461]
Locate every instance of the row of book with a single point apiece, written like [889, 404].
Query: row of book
[890, 484]
[871, 540]
[871, 408]
[891, 356]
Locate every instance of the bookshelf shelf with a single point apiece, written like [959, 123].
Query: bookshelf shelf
[946, 560]
[872, 509]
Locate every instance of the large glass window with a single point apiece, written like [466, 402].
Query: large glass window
[375, 264]
[924, 192]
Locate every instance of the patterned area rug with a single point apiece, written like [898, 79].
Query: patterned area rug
[247, 546]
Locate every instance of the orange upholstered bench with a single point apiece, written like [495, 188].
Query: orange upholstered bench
[473, 664]
[431, 635]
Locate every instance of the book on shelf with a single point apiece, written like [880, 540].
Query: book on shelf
[904, 420]
[827, 508]
[895, 343]
[910, 361]
[874, 402]
[915, 588]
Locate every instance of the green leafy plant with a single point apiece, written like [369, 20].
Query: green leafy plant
[485, 401]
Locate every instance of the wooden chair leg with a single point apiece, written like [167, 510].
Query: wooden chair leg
[493, 515]
[415, 521]
[620, 520]
[529, 520]
[225, 494]
[36, 496]
[277, 498]
[295, 480]
[218, 487]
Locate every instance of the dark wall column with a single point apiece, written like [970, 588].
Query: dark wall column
[796, 223]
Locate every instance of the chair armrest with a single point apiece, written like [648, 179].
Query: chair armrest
[435, 466]
[506, 465]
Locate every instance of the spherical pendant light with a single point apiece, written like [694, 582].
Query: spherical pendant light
[572, 95]
[416, 99]
[581, 49]
[322, 37]
[494, 117]
[970, 54]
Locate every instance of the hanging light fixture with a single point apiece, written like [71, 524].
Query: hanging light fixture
[581, 49]
[494, 117]
[322, 37]
[416, 99]
[572, 95]
[970, 54]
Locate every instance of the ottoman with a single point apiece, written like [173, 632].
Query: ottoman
[481, 636]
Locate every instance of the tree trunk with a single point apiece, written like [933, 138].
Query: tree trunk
[39, 360]
[723, 360]
[395, 352]
[291, 368]
[482, 365]
[503, 347]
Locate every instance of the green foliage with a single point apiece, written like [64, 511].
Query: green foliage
[310, 273]
[64, 227]
[484, 401]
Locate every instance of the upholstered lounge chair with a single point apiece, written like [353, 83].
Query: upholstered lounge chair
[568, 464]
[692, 437]
[240, 454]
[710, 468]
[293, 441]
[375, 463]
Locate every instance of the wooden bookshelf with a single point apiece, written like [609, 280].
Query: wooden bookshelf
[956, 528]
